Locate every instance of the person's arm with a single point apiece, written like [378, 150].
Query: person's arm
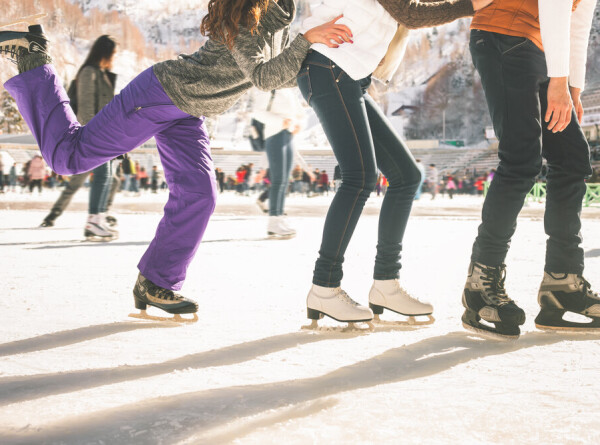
[555, 27]
[421, 14]
[272, 74]
[86, 95]
[581, 24]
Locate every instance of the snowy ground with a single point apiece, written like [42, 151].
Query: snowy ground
[75, 370]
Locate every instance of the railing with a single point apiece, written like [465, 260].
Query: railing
[538, 193]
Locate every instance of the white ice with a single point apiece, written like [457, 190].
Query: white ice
[74, 369]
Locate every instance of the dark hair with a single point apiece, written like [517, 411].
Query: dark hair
[224, 18]
[103, 48]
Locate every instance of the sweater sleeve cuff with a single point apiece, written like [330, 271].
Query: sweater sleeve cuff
[300, 45]
[465, 7]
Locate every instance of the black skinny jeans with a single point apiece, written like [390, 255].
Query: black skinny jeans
[362, 140]
[513, 74]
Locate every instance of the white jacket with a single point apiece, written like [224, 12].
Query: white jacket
[285, 105]
[565, 36]
[372, 27]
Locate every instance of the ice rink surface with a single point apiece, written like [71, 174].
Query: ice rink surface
[74, 369]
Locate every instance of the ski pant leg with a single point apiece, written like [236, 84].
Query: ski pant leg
[123, 124]
[185, 155]
[63, 201]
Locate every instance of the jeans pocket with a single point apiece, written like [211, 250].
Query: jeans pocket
[304, 84]
[510, 43]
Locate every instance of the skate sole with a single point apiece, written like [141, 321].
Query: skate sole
[412, 321]
[490, 335]
[573, 329]
[274, 236]
[177, 318]
[315, 315]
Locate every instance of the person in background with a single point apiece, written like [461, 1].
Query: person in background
[324, 183]
[12, 177]
[143, 176]
[282, 115]
[421, 168]
[450, 186]
[36, 173]
[1, 175]
[433, 180]
[155, 178]
[337, 178]
[95, 87]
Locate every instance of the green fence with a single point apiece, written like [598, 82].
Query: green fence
[538, 193]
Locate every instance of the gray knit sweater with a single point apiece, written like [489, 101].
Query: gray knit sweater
[210, 81]
[424, 13]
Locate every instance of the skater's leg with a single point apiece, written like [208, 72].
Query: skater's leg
[137, 113]
[63, 201]
[511, 69]
[568, 156]
[115, 184]
[275, 146]
[185, 154]
[398, 165]
[339, 104]
[99, 189]
[288, 155]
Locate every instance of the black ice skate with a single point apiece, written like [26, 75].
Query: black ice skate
[15, 44]
[147, 293]
[560, 293]
[485, 299]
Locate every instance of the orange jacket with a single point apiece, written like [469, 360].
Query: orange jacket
[512, 17]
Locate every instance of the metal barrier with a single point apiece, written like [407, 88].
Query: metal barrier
[538, 193]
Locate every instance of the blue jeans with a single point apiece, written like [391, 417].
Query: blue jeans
[362, 140]
[514, 78]
[280, 153]
[100, 189]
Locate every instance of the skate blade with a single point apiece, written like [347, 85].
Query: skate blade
[582, 329]
[28, 20]
[411, 321]
[96, 239]
[353, 327]
[281, 237]
[177, 318]
[489, 335]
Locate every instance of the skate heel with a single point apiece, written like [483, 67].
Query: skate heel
[313, 314]
[377, 310]
[36, 29]
[139, 304]
[551, 319]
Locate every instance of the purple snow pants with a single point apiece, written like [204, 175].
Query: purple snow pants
[142, 110]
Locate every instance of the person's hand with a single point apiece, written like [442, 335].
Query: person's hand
[576, 97]
[558, 114]
[330, 34]
[296, 130]
[480, 4]
[287, 123]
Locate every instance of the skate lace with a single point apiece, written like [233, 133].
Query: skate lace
[587, 289]
[342, 295]
[407, 293]
[163, 294]
[12, 51]
[493, 279]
